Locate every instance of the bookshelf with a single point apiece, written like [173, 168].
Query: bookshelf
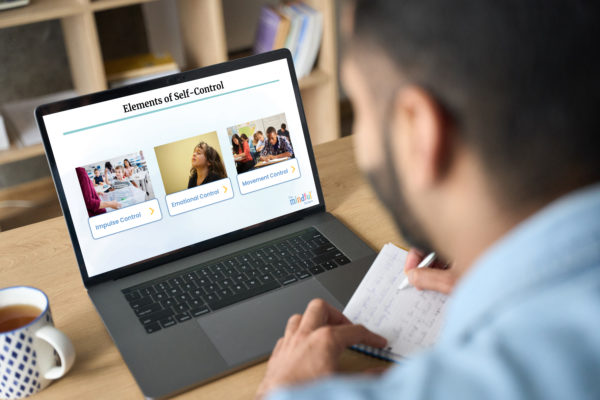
[204, 42]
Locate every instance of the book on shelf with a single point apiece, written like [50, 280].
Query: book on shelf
[138, 68]
[283, 30]
[266, 31]
[295, 26]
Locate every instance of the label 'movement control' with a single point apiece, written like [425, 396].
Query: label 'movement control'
[270, 175]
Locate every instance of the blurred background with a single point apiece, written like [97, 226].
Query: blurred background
[55, 49]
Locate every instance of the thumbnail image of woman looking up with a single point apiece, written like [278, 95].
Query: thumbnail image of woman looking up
[241, 154]
[127, 168]
[207, 165]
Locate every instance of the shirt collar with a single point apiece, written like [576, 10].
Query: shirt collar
[556, 242]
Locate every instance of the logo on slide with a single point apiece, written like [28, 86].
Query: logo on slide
[303, 198]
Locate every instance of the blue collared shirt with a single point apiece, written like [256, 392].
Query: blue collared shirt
[524, 323]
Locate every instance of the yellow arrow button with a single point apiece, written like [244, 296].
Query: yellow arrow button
[224, 189]
[151, 211]
[293, 169]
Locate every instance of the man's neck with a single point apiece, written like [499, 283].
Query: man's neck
[471, 218]
[477, 234]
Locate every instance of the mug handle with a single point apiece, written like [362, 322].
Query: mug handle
[63, 347]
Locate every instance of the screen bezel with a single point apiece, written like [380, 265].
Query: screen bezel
[158, 83]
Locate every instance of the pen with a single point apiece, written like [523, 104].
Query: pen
[426, 262]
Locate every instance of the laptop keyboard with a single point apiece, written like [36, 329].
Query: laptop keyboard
[204, 288]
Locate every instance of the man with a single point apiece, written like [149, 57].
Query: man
[284, 132]
[276, 146]
[477, 124]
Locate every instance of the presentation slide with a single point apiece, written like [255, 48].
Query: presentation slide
[153, 172]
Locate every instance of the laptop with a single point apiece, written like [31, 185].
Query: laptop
[198, 222]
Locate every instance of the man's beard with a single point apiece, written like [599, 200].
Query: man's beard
[386, 183]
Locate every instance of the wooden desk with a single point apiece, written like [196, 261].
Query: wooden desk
[41, 255]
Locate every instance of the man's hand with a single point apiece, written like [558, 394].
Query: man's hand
[312, 345]
[439, 277]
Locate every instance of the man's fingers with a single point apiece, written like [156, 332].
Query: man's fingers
[413, 258]
[348, 335]
[432, 279]
[292, 324]
[277, 346]
[335, 316]
[319, 313]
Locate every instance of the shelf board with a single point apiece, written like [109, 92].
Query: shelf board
[27, 203]
[99, 5]
[20, 153]
[315, 78]
[40, 10]
[44, 10]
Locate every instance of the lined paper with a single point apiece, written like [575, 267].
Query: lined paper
[409, 319]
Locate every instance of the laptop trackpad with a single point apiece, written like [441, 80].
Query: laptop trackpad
[249, 330]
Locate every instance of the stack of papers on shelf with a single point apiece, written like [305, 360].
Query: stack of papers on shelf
[295, 26]
[20, 121]
[138, 68]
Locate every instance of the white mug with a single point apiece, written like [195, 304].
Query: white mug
[35, 354]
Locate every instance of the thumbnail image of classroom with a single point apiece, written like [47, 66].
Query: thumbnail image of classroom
[190, 162]
[260, 143]
[116, 183]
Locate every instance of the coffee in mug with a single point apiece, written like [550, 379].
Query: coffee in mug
[33, 352]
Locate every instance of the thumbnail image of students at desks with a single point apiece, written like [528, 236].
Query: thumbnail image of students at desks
[127, 168]
[108, 172]
[241, 154]
[93, 203]
[284, 132]
[98, 179]
[277, 148]
[258, 141]
[250, 144]
[100, 184]
[123, 190]
[207, 166]
[138, 175]
[120, 181]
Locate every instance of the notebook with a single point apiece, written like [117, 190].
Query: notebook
[409, 319]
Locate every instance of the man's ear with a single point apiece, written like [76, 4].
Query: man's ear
[420, 136]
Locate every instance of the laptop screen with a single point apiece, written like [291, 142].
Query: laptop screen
[152, 172]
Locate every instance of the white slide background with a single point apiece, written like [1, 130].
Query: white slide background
[146, 132]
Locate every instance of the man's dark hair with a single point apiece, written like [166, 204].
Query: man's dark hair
[283, 126]
[271, 130]
[520, 79]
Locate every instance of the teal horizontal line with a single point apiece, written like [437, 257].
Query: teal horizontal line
[167, 108]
